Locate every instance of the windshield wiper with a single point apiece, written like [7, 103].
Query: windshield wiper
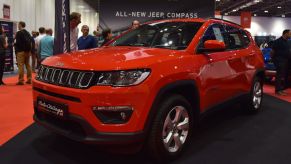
[170, 47]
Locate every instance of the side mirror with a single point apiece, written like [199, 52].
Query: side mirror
[213, 46]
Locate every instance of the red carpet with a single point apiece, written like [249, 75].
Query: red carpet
[16, 108]
[270, 90]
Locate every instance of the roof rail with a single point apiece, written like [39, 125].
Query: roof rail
[225, 21]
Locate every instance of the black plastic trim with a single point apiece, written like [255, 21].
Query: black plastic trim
[70, 98]
[90, 135]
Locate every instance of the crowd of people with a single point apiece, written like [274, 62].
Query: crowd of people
[40, 44]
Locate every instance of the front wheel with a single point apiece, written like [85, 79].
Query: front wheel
[171, 129]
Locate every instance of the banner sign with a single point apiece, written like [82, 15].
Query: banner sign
[118, 15]
[245, 19]
[6, 11]
[62, 26]
[8, 30]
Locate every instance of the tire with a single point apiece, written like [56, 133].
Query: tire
[167, 139]
[255, 97]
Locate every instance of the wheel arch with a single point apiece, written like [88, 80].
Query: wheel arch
[185, 88]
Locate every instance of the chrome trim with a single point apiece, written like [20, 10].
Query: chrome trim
[40, 72]
[55, 76]
[46, 72]
[60, 82]
[83, 74]
[70, 78]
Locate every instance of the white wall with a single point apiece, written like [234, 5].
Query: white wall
[41, 13]
[88, 15]
[35, 13]
[7, 2]
[262, 26]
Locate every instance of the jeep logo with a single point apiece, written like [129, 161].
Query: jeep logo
[59, 64]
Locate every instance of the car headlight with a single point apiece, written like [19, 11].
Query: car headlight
[123, 78]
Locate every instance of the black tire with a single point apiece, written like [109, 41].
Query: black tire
[255, 97]
[155, 145]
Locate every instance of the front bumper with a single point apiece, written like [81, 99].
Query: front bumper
[79, 130]
[80, 114]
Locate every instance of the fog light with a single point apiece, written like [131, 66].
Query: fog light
[113, 114]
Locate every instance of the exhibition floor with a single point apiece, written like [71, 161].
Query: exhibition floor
[225, 136]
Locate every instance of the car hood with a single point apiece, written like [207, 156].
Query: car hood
[111, 58]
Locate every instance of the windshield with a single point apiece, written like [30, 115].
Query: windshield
[171, 35]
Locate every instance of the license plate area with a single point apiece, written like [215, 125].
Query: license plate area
[53, 108]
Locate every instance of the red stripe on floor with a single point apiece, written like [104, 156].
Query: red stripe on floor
[270, 90]
[16, 108]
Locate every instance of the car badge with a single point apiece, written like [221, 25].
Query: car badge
[59, 64]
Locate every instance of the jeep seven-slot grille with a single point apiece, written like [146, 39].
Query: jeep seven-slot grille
[65, 77]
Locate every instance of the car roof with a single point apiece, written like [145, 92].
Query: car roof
[178, 20]
[217, 20]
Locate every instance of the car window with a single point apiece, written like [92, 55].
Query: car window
[170, 35]
[236, 38]
[214, 32]
[245, 38]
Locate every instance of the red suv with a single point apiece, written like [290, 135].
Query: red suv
[149, 85]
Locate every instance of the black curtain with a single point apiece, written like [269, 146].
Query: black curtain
[62, 26]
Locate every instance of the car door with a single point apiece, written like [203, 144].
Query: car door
[237, 43]
[216, 75]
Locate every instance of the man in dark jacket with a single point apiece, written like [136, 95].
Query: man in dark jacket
[22, 50]
[280, 54]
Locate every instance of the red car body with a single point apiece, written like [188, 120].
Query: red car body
[205, 79]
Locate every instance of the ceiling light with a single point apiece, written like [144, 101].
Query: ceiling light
[217, 0]
[279, 7]
[257, 1]
[226, 14]
[266, 11]
[255, 15]
[81, 7]
[234, 10]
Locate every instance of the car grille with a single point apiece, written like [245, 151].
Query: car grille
[65, 77]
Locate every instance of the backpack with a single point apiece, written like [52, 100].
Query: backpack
[27, 41]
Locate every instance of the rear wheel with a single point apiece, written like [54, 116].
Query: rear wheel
[255, 97]
[171, 129]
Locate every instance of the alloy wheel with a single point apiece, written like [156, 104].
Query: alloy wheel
[175, 129]
[257, 95]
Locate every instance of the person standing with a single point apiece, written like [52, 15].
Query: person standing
[280, 53]
[22, 50]
[75, 20]
[135, 24]
[107, 36]
[86, 41]
[3, 46]
[46, 45]
[35, 56]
